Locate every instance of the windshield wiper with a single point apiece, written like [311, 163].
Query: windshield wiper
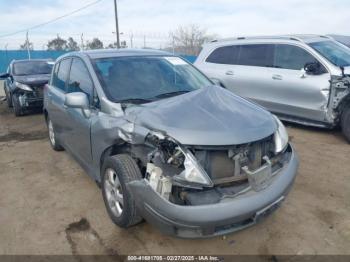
[135, 101]
[169, 94]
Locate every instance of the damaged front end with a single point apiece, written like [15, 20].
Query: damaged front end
[29, 95]
[339, 97]
[200, 175]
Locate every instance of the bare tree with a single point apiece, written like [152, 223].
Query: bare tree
[95, 44]
[25, 44]
[189, 39]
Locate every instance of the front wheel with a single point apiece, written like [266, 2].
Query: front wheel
[117, 172]
[17, 109]
[345, 123]
[8, 99]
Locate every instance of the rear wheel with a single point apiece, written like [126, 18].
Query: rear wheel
[120, 202]
[52, 136]
[345, 123]
[17, 109]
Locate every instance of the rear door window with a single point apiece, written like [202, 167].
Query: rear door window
[256, 55]
[224, 55]
[60, 74]
[291, 57]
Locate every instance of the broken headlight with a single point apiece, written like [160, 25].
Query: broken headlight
[171, 153]
[280, 137]
[193, 172]
[24, 87]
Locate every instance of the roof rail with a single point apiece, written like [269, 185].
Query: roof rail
[299, 38]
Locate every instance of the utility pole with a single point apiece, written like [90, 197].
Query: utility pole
[116, 23]
[173, 45]
[7, 58]
[131, 40]
[82, 41]
[27, 44]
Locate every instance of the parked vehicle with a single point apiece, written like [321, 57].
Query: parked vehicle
[302, 79]
[167, 145]
[343, 39]
[24, 83]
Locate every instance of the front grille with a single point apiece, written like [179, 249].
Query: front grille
[224, 164]
[38, 91]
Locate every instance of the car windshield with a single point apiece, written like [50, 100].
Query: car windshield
[337, 54]
[32, 68]
[143, 79]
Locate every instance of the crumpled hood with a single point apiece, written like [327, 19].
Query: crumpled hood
[33, 79]
[208, 116]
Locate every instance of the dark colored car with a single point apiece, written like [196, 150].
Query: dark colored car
[24, 83]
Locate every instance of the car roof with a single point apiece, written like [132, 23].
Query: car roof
[344, 39]
[31, 60]
[104, 53]
[305, 38]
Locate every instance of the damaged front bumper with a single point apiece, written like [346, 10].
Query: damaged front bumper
[229, 215]
[30, 100]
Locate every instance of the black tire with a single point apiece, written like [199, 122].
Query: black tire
[345, 123]
[55, 144]
[17, 109]
[8, 99]
[127, 170]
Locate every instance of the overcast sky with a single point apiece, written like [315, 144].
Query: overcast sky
[155, 18]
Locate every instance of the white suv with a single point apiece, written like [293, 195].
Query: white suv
[302, 78]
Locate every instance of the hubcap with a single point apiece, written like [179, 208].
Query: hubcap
[114, 193]
[51, 133]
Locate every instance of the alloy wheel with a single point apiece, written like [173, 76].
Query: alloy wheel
[114, 193]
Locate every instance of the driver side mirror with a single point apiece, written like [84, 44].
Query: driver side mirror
[312, 68]
[78, 100]
[4, 75]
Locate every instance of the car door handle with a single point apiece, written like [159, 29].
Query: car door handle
[277, 77]
[229, 73]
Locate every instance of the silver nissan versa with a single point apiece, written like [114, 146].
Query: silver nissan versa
[300, 78]
[165, 144]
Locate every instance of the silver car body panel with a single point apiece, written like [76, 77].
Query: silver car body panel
[209, 117]
[293, 95]
[220, 118]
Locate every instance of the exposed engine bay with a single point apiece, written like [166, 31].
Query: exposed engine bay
[339, 96]
[198, 175]
[30, 98]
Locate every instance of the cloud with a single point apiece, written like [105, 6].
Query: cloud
[155, 18]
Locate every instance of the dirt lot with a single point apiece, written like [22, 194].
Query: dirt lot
[49, 206]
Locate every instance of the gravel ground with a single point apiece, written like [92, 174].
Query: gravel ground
[49, 206]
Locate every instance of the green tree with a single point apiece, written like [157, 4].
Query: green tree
[72, 45]
[57, 44]
[94, 44]
[112, 45]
